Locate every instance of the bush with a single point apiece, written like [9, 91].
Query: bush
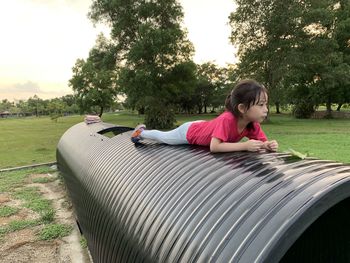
[303, 110]
[158, 116]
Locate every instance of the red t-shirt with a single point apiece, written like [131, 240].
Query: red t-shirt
[224, 127]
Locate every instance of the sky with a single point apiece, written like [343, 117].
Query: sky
[41, 40]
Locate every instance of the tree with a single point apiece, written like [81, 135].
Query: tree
[264, 32]
[36, 105]
[211, 89]
[296, 48]
[150, 47]
[342, 36]
[93, 80]
[5, 105]
[321, 74]
[23, 107]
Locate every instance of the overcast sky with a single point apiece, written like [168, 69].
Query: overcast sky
[41, 40]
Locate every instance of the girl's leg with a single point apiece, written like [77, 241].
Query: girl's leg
[173, 137]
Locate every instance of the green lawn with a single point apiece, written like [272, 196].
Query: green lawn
[33, 140]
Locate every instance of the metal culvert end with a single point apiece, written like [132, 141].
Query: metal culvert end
[157, 203]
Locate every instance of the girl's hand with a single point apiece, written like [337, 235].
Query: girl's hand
[253, 145]
[271, 145]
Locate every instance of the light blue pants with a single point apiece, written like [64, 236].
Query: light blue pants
[173, 137]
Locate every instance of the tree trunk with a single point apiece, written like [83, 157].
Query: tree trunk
[277, 107]
[339, 106]
[329, 107]
[101, 112]
[141, 111]
[199, 109]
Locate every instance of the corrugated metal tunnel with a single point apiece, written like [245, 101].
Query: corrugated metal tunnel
[158, 203]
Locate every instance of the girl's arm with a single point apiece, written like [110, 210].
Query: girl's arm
[216, 145]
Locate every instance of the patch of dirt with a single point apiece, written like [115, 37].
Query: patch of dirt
[23, 246]
[23, 214]
[39, 252]
[30, 178]
[4, 198]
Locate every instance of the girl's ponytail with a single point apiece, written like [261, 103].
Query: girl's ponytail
[228, 103]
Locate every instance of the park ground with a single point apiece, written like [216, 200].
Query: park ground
[26, 141]
[37, 224]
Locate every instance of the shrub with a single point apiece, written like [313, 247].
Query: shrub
[303, 109]
[158, 116]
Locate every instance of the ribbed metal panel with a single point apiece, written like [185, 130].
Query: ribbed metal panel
[160, 203]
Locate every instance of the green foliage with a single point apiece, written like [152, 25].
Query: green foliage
[21, 146]
[150, 46]
[11, 180]
[16, 225]
[48, 216]
[303, 109]
[212, 86]
[35, 105]
[6, 105]
[53, 231]
[264, 32]
[21, 224]
[15, 179]
[158, 117]
[55, 117]
[286, 43]
[33, 200]
[6, 211]
[93, 80]
[40, 107]
[297, 154]
[43, 180]
[83, 242]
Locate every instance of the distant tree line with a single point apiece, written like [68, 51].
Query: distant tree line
[300, 50]
[35, 106]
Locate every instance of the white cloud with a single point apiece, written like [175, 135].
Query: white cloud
[27, 89]
[41, 39]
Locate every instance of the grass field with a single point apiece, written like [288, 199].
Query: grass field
[33, 140]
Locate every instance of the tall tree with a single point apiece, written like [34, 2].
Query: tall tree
[5, 105]
[211, 86]
[321, 74]
[296, 46]
[342, 36]
[36, 105]
[93, 80]
[150, 45]
[264, 32]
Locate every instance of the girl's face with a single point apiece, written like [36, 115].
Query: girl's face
[257, 112]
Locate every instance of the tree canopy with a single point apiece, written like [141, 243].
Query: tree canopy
[151, 48]
[298, 49]
[93, 79]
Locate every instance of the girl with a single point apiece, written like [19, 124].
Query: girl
[246, 108]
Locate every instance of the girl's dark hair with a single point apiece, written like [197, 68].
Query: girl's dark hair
[246, 92]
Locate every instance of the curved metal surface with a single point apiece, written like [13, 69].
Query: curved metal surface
[160, 203]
